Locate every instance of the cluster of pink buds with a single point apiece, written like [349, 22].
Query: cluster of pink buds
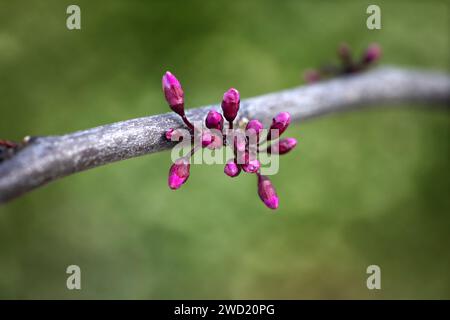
[215, 135]
[348, 65]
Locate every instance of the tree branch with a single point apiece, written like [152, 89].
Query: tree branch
[44, 159]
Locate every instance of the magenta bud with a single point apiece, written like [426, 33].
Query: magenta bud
[311, 76]
[179, 173]
[174, 135]
[255, 126]
[280, 123]
[251, 165]
[267, 192]
[283, 146]
[169, 133]
[372, 54]
[232, 169]
[173, 92]
[214, 120]
[217, 141]
[207, 138]
[230, 104]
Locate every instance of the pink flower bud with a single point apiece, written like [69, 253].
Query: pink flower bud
[217, 141]
[280, 123]
[254, 127]
[173, 92]
[372, 54]
[169, 133]
[214, 120]
[283, 146]
[232, 169]
[179, 173]
[174, 135]
[251, 165]
[230, 104]
[311, 76]
[207, 138]
[267, 192]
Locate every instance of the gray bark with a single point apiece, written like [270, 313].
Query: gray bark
[44, 159]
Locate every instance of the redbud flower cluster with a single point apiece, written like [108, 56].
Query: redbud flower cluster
[348, 65]
[216, 134]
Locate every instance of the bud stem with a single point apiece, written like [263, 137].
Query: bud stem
[193, 150]
[187, 122]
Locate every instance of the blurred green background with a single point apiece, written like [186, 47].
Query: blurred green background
[362, 188]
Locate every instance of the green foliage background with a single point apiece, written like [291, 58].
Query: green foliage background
[362, 188]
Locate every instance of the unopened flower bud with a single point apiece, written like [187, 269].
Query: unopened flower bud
[217, 140]
[267, 192]
[179, 173]
[251, 165]
[372, 54]
[232, 169]
[207, 138]
[169, 133]
[254, 127]
[230, 104]
[280, 123]
[214, 120]
[283, 146]
[173, 92]
[174, 134]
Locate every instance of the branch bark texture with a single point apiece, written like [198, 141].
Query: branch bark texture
[44, 159]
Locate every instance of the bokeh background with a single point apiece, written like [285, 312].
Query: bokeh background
[362, 188]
